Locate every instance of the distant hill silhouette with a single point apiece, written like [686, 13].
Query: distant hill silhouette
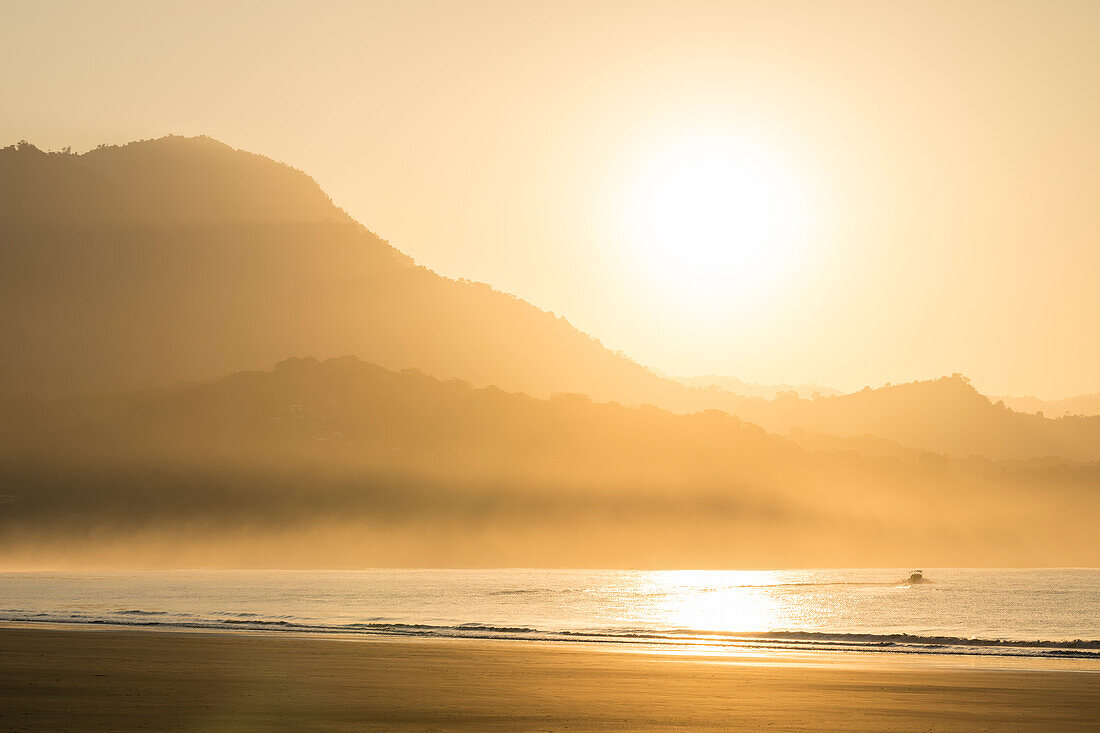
[343, 463]
[183, 259]
[1085, 404]
[751, 389]
[173, 181]
[945, 415]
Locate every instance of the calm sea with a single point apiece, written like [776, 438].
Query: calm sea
[1038, 613]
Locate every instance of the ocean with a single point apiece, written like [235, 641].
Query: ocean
[1023, 613]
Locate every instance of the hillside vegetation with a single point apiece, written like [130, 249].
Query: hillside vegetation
[346, 464]
[183, 259]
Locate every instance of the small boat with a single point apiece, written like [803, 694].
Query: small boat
[917, 576]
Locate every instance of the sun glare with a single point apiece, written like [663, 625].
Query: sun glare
[711, 600]
[716, 219]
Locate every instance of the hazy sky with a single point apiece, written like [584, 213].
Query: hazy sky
[846, 193]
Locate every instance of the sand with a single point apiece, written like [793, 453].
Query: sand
[65, 679]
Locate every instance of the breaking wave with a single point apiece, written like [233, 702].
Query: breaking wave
[779, 639]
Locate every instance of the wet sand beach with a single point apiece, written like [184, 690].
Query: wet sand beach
[99, 679]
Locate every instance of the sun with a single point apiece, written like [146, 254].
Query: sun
[716, 219]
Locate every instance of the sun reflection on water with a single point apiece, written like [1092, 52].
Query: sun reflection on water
[713, 600]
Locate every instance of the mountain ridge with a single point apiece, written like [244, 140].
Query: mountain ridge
[170, 180]
[179, 259]
[1083, 404]
[359, 263]
[341, 461]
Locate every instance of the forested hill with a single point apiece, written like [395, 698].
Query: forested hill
[182, 258]
[343, 463]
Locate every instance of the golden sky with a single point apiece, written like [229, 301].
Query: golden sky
[844, 193]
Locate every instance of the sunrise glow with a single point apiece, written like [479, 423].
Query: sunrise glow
[716, 219]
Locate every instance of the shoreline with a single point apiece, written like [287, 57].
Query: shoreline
[100, 678]
[783, 644]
